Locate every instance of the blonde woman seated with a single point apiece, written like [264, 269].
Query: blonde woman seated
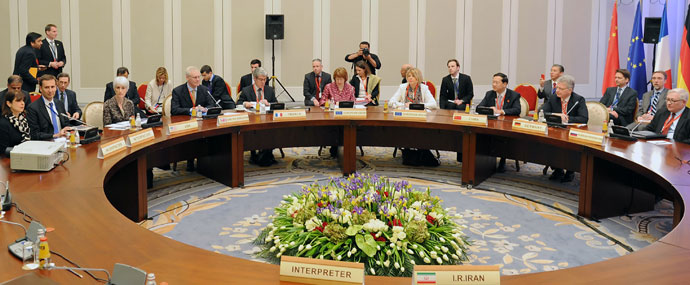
[156, 91]
[413, 92]
[339, 90]
[118, 108]
[366, 84]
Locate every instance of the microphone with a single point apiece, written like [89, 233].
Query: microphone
[213, 99]
[635, 127]
[72, 119]
[573, 107]
[51, 266]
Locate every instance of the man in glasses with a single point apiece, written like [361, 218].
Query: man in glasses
[673, 121]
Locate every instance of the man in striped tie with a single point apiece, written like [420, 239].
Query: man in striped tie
[652, 101]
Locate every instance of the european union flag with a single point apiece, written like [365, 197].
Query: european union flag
[636, 64]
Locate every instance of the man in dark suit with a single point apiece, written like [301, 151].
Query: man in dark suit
[403, 71]
[314, 82]
[132, 93]
[652, 101]
[26, 64]
[572, 108]
[267, 95]
[456, 88]
[503, 101]
[43, 115]
[674, 120]
[190, 94]
[67, 97]
[364, 54]
[548, 87]
[217, 88]
[621, 100]
[14, 82]
[52, 52]
[248, 79]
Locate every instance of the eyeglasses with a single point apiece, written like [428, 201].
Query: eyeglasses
[669, 100]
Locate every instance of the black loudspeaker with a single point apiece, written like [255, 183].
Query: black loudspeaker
[652, 28]
[275, 27]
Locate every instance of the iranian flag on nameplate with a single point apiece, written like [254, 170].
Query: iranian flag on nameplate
[282, 115]
[232, 119]
[469, 119]
[410, 115]
[456, 274]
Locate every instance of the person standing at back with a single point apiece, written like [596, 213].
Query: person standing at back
[52, 52]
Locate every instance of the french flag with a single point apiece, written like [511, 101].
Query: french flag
[663, 50]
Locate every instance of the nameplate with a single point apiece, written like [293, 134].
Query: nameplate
[111, 147]
[280, 115]
[529, 126]
[182, 127]
[319, 271]
[139, 137]
[232, 119]
[588, 137]
[456, 274]
[413, 115]
[350, 113]
[469, 119]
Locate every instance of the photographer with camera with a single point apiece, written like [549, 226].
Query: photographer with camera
[364, 54]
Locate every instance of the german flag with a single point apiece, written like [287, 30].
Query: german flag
[684, 59]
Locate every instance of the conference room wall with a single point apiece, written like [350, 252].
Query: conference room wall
[6, 47]
[147, 38]
[247, 38]
[299, 47]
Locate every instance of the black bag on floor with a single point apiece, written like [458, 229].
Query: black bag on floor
[419, 157]
[263, 157]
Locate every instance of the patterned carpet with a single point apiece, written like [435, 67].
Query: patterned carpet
[520, 221]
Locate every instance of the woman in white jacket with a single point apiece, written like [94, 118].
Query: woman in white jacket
[413, 92]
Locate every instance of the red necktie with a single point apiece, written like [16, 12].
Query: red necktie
[564, 107]
[318, 87]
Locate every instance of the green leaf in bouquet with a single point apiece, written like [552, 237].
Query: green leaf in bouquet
[370, 241]
[364, 246]
[353, 230]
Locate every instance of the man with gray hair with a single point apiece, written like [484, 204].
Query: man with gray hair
[190, 94]
[259, 92]
[572, 108]
[14, 82]
[673, 121]
[314, 82]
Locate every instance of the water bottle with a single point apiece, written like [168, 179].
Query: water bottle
[541, 116]
[43, 252]
[332, 105]
[467, 107]
[137, 121]
[262, 108]
[151, 279]
[199, 113]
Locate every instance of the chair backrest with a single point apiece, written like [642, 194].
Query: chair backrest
[166, 105]
[142, 96]
[598, 114]
[34, 96]
[227, 86]
[524, 107]
[529, 92]
[432, 88]
[238, 91]
[93, 114]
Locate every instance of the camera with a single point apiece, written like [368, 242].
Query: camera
[365, 51]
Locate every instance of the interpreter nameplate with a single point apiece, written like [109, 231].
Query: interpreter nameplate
[280, 115]
[410, 115]
[232, 119]
[456, 274]
[586, 136]
[470, 119]
[350, 113]
[111, 147]
[185, 126]
[139, 137]
[528, 126]
[319, 271]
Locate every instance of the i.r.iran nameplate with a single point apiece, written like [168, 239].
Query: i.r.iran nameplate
[470, 119]
[139, 137]
[410, 115]
[587, 137]
[111, 147]
[232, 119]
[529, 126]
[350, 113]
[181, 127]
[281, 115]
[456, 274]
[319, 271]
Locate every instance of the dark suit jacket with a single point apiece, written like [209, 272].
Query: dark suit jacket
[25, 59]
[245, 81]
[219, 91]
[511, 106]
[374, 92]
[132, 93]
[9, 135]
[248, 95]
[578, 114]
[625, 107]
[547, 92]
[682, 131]
[371, 67]
[309, 86]
[72, 104]
[182, 102]
[45, 56]
[448, 92]
[39, 120]
[27, 97]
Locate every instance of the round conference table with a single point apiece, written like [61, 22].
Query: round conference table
[93, 203]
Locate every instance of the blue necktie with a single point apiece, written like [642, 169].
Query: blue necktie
[655, 100]
[56, 129]
[618, 96]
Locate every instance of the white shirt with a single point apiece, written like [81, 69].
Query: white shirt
[57, 115]
[362, 89]
[672, 129]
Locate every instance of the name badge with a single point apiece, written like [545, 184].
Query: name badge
[469, 119]
[319, 271]
[139, 137]
[111, 147]
[182, 127]
[528, 126]
[410, 115]
[588, 137]
[456, 274]
[280, 115]
[232, 119]
[350, 113]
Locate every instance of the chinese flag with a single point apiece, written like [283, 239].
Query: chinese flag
[612, 63]
[684, 60]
